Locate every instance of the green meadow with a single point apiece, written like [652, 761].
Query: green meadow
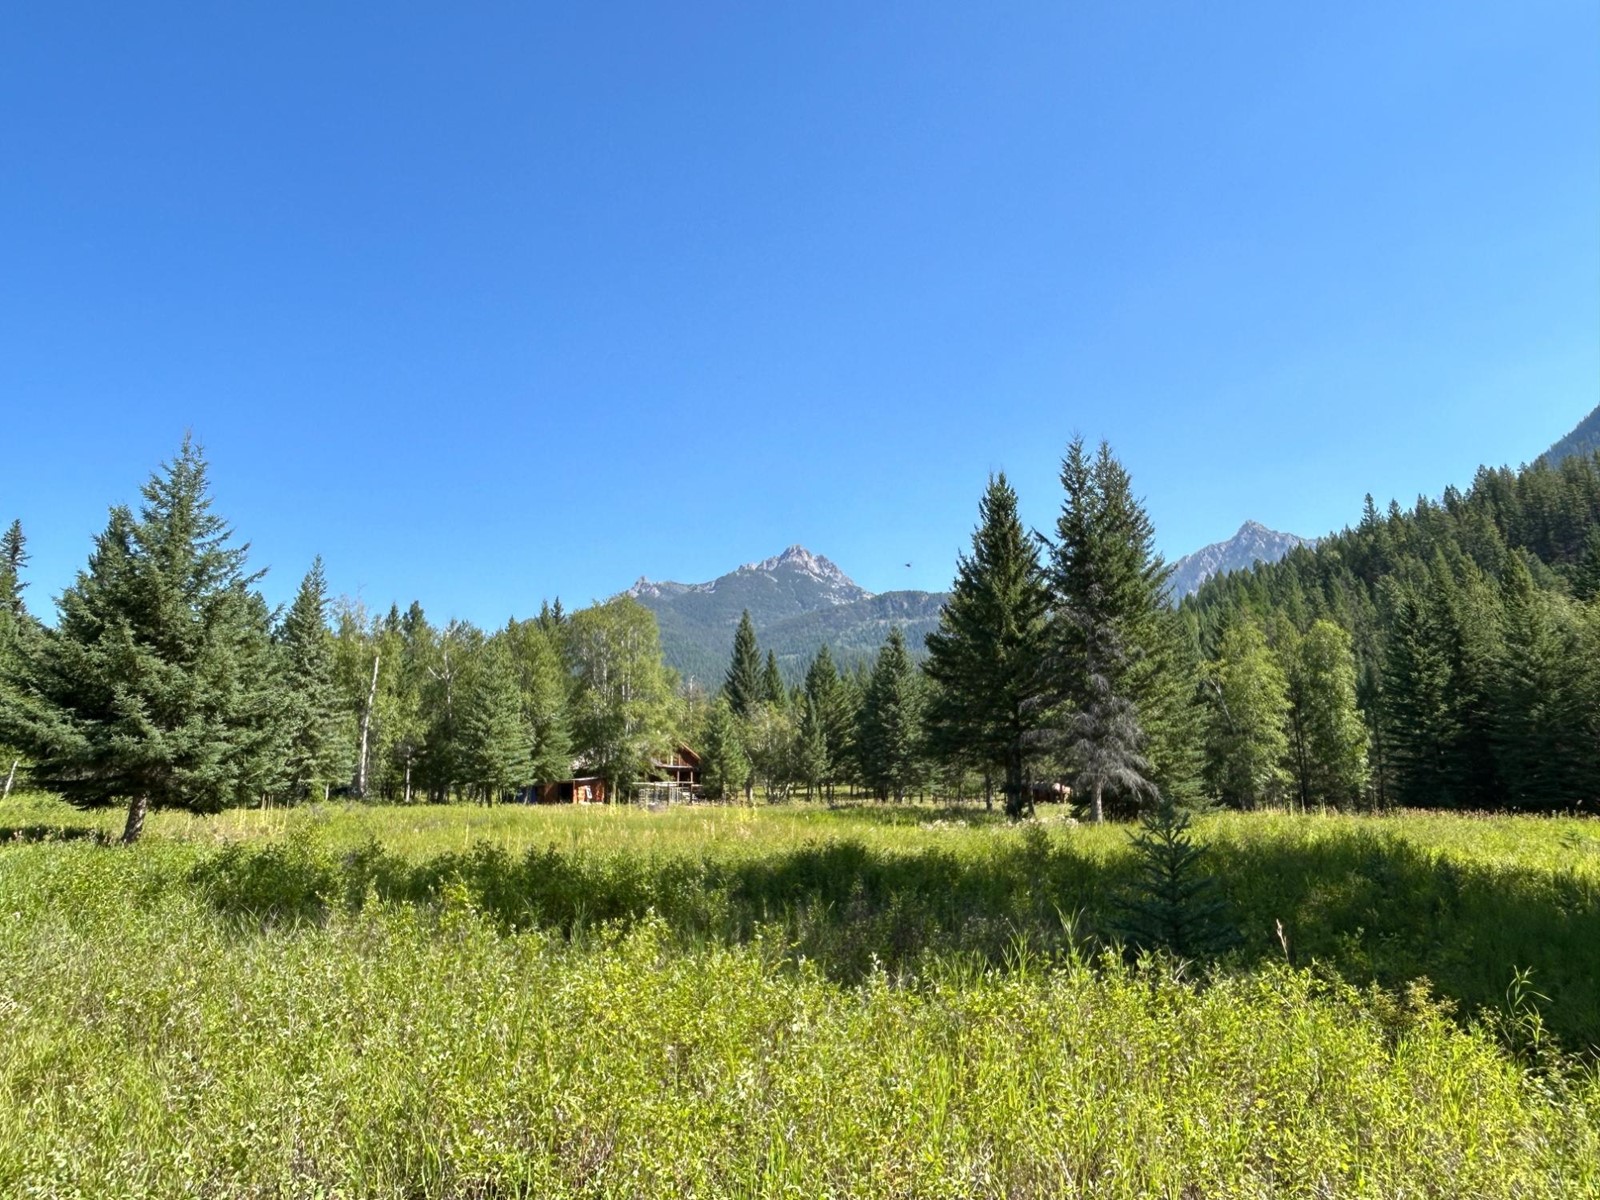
[788, 1000]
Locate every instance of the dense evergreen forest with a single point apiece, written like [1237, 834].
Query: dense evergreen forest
[1446, 656]
[1474, 622]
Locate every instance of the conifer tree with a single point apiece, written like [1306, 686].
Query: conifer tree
[891, 722]
[772, 692]
[315, 750]
[988, 656]
[1547, 728]
[13, 558]
[495, 751]
[831, 696]
[542, 686]
[1176, 904]
[1110, 634]
[157, 686]
[724, 766]
[744, 683]
[813, 764]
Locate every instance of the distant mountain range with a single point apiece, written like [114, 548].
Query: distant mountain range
[1585, 439]
[797, 600]
[1254, 543]
[800, 601]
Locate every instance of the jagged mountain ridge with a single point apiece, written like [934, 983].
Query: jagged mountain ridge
[1254, 543]
[797, 600]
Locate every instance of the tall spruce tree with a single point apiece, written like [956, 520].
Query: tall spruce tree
[988, 656]
[813, 765]
[13, 558]
[1110, 634]
[831, 694]
[495, 745]
[542, 685]
[1547, 727]
[744, 684]
[772, 683]
[724, 766]
[157, 686]
[315, 750]
[891, 722]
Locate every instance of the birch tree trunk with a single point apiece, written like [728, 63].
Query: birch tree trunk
[11, 778]
[366, 727]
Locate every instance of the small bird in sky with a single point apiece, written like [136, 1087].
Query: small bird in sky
[908, 564]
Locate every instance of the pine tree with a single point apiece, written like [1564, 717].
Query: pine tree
[542, 685]
[495, 750]
[13, 558]
[1247, 741]
[831, 695]
[157, 686]
[1546, 721]
[1175, 904]
[772, 692]
[724, 766]
[988, 656]
[1110, 633]
[891, 722]
[1328, 740]
[315, 751]
[744, 683]
[813, 764]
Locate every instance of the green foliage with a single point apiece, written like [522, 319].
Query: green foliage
[1328, 740]
[542, 692]
[988, 659]
[772, 692]
[724, 765]
[1175, 904]
[1128, 715]
[743, 684]
[495, 751]
[621, 697]
[316, 749]
[589, 1020]
[158, 684]
[890, 734]
[1426, 595]
[1246, 738]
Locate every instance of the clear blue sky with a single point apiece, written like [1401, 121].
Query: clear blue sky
[492, 302]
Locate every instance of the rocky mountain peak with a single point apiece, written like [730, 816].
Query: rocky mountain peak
[1254, 543]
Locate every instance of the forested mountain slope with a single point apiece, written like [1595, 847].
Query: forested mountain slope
[1585, 439]
[1476, 623]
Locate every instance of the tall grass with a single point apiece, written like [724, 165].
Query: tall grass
[449, 1002]
[157, 1048]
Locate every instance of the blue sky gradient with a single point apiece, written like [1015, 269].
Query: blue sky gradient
[511, 301]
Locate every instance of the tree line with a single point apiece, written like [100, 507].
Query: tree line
[1059, 664]
[168, 681]
[1474, 625]
[1445, 656]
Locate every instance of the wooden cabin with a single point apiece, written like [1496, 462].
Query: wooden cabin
[681, 767]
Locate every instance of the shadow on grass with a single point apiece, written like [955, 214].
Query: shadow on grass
[24, 834]
[1368, 905]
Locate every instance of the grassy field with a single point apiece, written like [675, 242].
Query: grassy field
[787, 1001]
